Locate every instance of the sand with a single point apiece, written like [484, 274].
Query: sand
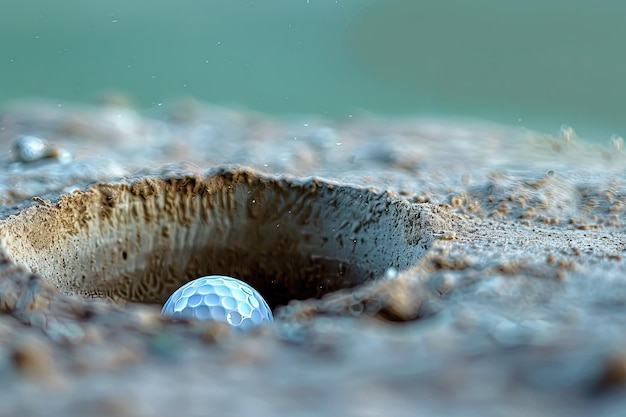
[415, 266]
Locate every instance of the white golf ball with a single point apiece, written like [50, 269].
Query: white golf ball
[220, 298]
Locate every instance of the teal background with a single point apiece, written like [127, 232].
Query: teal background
[531, 63]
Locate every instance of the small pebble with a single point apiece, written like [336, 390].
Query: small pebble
[30, 149]
[613, 374]
[32, 357]
[443, 283]
[212, 332]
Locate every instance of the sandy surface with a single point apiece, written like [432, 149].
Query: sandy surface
[488, 264]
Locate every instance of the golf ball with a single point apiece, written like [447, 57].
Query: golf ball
[220, 298]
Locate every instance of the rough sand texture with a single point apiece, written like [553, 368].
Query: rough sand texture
[506, 294]
[291, 239]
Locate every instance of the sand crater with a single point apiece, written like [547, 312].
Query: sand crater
[139, 240]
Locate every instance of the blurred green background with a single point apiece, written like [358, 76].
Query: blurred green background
[533, 63]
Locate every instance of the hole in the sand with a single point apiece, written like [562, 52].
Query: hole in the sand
[288, 238]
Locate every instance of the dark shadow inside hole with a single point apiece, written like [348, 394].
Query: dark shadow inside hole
[289, 276]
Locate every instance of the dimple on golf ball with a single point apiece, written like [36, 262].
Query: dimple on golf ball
[220, 298]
